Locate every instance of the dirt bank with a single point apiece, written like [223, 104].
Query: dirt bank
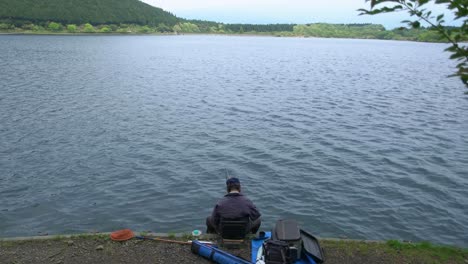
[100, 249]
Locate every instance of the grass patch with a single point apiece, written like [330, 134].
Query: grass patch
[426, 250]
[423, 252]
[187, 236]
[58, 237]
[8, 243]
[91, 236]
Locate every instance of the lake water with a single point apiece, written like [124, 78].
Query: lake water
[362, 139]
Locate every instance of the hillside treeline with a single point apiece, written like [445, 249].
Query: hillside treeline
[366, 31]
[134, 16]
[85, 11]
[312, 30]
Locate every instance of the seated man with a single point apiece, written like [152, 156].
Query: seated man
[233, 205]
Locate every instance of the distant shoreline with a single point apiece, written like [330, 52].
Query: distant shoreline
[266, 34]
[84, 34]
[315, 30]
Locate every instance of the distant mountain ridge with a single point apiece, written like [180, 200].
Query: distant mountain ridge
[86, 11]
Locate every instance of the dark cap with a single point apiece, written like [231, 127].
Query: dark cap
[232, 181]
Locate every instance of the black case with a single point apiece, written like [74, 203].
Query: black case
[287, 230]
[312, 246]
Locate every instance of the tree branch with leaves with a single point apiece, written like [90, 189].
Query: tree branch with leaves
[418, 11]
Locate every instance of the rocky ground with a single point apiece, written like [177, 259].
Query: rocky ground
[100, 249]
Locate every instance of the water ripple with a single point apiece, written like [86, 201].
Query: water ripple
[92, 128]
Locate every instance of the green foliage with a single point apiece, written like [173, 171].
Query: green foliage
[27, 27]
[88, 28]
[54, 26]
[123, 30]
[37, 28]
[430, 35]
[259, 28]
[113, 27]
[163, 28]
[188, 27]
[212, 30]
[5, 26]
[105, 29]
[86, 11]
[366, 31]
[144, 29]
[71, 28]
[214, 27]
[176, 28]
[418, 11]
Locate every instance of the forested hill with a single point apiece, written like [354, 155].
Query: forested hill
[86, 11]
[136, 17]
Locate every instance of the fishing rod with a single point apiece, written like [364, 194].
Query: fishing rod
[163, 240]
[173, 241]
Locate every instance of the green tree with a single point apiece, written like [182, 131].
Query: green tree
[5, 26]
[54, 26]
[114, 27]
[213, 30]
[105, 29]
[88, 28]
[71, 28]
[144, 29]
[417, 9]
[188, 27]
[37, 28]
[163, 28]
[176, 28]
[430, 36]
[299, 29]
[221, 28]
[27, 26]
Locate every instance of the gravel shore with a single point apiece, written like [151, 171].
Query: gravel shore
[100, 249]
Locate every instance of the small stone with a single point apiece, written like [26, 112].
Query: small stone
[100, 247]
[466, 261]
[70, 242]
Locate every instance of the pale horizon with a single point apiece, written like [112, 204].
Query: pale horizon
[282, 11]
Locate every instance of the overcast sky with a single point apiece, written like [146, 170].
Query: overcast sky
[279, 11]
